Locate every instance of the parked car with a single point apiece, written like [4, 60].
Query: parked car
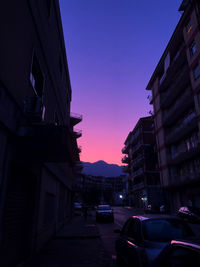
[104, 212]
[182, 253]
[143, 237]
[152, 209]
[77, 208]
[189, 213]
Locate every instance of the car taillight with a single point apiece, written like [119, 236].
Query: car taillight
[144, 258]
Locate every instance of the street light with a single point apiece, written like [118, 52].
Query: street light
[120, 196]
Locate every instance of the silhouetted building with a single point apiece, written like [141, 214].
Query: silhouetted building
[141, 160]
[38, 147]
[175, 86]
[96, 190]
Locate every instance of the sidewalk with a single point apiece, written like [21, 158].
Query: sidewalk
[78, 244]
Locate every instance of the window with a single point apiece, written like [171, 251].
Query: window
[36, 77]
[193, 48]
[188, 27]
[196, 71]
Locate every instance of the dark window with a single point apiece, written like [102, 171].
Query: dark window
[196, 71]
[36, 77]
[134, 229]
[193, 48]
[125, 228]
[188, 27]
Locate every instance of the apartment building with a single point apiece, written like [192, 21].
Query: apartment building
[141, 165]
[175, 87]
[38, 145]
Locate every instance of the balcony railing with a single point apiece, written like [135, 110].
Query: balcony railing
[185, 179]
[137, 160]
[125, 150]
[138, 172]
[138, 186]
[75, 118]
[181, 81]
[185, 154]
[183, 128]
[78, 133]
[184, 102]
[125, 159]
[176, 64]
[150, 98]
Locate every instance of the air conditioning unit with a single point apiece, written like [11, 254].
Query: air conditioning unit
[34, 110]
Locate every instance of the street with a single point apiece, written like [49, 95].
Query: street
[84, 242]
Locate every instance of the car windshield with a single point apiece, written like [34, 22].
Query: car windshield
[104, 208]
[163, 230]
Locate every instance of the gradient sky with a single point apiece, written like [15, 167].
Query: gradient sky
[113, 47]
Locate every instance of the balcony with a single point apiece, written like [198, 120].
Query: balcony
[138, 186]
[185, 155]
[184, 102]
[77, 133]
[138, 172]
[125, 150]
[150, 98]
[183, 129]
[125, 159]
[45, 143]
[137, 161]
[176, 64]
[75, 119]
[180, 83]
[185, 180]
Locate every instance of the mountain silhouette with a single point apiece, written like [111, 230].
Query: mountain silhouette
[102, 168]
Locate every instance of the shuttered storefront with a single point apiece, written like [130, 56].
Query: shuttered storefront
[18, 215]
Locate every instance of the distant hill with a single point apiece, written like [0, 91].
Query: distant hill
[101, 168]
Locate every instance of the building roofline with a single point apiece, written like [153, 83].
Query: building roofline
[62, 41]
[178, 26]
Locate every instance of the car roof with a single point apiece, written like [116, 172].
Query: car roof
[154, 216]
[103, 206]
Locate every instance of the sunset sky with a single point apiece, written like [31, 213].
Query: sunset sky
[113, 47]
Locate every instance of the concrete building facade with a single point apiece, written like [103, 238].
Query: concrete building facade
[38, 145]
[141, 164]
[175, 87]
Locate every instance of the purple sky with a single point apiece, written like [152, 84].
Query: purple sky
[113, 47]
